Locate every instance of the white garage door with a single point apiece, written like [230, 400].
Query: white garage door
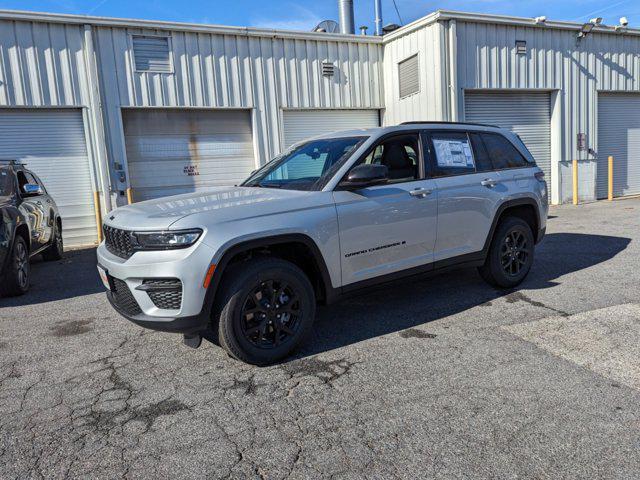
[179, 151]
[527, 114]
[51, 142]
[619, 135]
[303, 124]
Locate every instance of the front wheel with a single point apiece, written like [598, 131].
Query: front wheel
[510, 255]
[16, 278]
[267, 310]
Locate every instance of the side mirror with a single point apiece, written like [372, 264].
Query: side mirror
[31, 190]
[366, 175]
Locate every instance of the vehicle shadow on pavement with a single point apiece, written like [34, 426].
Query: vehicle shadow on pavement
[73, 276]
[417, 301]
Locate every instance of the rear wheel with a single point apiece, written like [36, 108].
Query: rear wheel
[510, 255]
[56, 249]
[16, 278]
[267, 310]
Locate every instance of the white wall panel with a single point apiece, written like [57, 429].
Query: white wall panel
[41, 64]
[261, 73]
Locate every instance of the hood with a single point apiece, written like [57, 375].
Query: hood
[217, 204]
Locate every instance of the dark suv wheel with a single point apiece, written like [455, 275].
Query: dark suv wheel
[510, 255]
[16, 278]
[267, 310]
[56, 249]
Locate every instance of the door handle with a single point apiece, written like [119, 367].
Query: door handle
[489, 182]
[420, 192]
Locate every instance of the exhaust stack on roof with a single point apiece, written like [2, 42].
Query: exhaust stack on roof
[378, 12]
[345, 11]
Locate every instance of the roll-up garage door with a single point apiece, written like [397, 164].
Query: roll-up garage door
[179, 151]
[51, 143]
[303, 124]
[619, 136]
[528, 114]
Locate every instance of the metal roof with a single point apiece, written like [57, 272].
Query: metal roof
[439, 15]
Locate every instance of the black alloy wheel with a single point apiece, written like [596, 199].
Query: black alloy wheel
[270, 314]
[15, 280]
[22, 265]
[514, 252]
[510, 254]
[265, 310]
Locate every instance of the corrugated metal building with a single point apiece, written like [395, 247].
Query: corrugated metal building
[106, 105]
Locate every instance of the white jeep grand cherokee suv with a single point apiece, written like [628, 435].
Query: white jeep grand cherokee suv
[327, 217]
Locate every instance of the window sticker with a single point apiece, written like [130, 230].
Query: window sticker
[453, 153]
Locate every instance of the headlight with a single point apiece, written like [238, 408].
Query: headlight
[167, 240]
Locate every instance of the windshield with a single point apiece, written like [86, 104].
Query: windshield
[6, 182]
[305, 166]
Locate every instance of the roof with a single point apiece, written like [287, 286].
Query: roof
[180, 26]
[439, 15]
[442, 15]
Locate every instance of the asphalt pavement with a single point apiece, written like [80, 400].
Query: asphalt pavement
[444, 377]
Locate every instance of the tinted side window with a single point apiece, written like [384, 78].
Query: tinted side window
[483, 162]
[452, 154]
[502, 152]
[400, 155]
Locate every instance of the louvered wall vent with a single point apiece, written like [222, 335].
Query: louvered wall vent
[521, 47]
[409, 76]
[152, 54]
[327, 69]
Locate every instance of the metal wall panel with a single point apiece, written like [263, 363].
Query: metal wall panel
[619, 135]
[260, 73]
[52, 143]
[430, 103]
[41, 64]
[180, 151]
[487, 59]
[528, 114]
[300, 125]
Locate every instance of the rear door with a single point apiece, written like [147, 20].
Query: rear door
[468, 193]
[391, 227]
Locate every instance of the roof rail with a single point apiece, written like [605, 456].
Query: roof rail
[413, 122]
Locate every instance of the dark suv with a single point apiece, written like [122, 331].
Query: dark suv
[29, 224]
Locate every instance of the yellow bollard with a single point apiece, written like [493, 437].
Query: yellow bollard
[575, 182]
[129, 195]
[96, 206]
[610, 197]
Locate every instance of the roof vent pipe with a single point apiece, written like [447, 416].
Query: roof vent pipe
[378, 12]
[345, 11]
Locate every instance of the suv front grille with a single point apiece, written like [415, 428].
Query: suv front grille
[123, 297]
[118, 242]
[164, 293]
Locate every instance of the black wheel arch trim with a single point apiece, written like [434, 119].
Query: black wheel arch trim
[516, 202]
[245, 246]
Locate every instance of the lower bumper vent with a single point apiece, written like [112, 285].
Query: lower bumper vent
[164, 293]
[123, 297]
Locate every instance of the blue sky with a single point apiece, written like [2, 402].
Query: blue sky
[304, 15]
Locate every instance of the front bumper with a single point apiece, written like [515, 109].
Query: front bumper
[191, 324]
[188, 265]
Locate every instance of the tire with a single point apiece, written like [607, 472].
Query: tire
[16, 278]
[267, 310]
[56, 249]
[510, 255]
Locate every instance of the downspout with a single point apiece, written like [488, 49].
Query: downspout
[96, 131]
[452, 58]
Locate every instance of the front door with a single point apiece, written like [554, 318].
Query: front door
[391, 227]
